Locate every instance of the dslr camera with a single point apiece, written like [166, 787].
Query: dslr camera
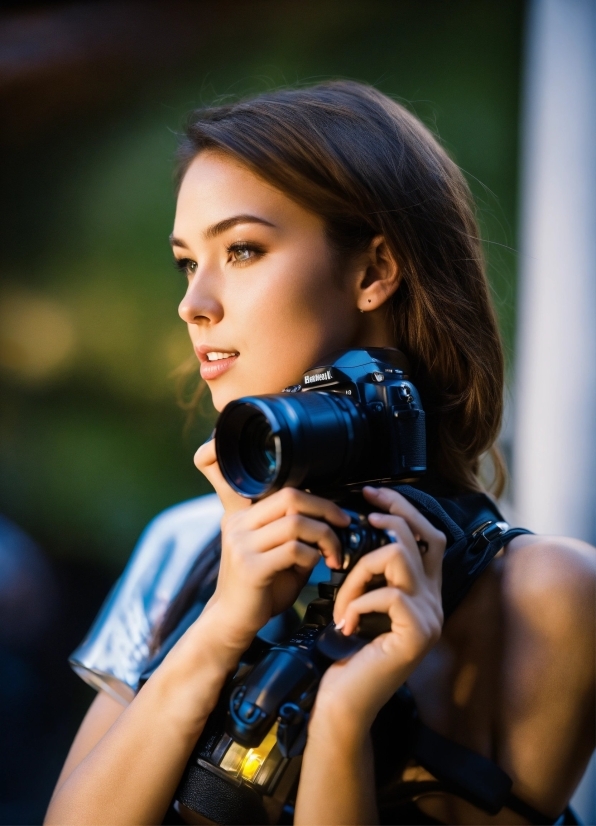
[354, 420]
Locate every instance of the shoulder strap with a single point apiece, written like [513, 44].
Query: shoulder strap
[475, 532]
[473, 777]
[462, 771]
[467, 559]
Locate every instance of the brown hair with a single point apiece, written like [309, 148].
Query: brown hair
[367, 166]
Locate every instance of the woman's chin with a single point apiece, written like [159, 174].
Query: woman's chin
[220, 398]
[219, 403]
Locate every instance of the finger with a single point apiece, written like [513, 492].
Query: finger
[393, 502]
[205, 456]
[310, 531]
[398, 529]
[392, 561]
[290, 501]
[292, 554]
[397, 505]
[391, 601]
[415, 624]
[205, 460]
[425, 554]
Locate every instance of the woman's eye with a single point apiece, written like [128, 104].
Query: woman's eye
[185, 265]
[242, 253]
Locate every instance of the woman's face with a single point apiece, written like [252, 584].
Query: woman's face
[263, 302]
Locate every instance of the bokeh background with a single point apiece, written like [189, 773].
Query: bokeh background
[93, 440]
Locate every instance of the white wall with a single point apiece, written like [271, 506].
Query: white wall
[554, 469]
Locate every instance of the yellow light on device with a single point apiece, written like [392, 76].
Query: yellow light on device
[251, 764]
[246, 763]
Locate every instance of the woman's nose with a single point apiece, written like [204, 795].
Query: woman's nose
[200, 304]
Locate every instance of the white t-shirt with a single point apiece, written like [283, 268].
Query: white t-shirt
[113, 654]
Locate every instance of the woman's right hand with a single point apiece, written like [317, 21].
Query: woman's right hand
[206, 462]
[268, 550]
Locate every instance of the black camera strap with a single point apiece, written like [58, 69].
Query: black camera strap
[475, 530]
[455, 769]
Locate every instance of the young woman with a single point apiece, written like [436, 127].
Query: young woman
[309, 221]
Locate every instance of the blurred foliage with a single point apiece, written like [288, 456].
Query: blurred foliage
[93, 442]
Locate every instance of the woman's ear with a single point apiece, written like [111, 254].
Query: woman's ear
[378, 275]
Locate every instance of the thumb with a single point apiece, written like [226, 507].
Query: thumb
[206, 461]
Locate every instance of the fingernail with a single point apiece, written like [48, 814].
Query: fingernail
[339, 625]
[372, 517]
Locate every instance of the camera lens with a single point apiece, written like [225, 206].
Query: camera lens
[257, 448]
[306, 440]
[248, 446]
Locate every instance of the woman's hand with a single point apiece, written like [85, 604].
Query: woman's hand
[268, 552]
[268, 549]
[206, 462]
[355, 689]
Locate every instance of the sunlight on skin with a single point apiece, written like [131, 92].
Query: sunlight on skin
[269, 293]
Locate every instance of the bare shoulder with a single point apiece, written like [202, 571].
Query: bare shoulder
[548, 674]
[552, 581]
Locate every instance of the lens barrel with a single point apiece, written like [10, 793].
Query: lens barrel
[264, 443]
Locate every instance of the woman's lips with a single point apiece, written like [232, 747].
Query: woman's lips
[213, 369]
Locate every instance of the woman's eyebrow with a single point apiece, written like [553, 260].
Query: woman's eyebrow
[228, 223]
[222, 226]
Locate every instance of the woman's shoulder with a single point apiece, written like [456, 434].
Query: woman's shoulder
[553, 577]
[548, 677]
[548, 596]
[112, 655]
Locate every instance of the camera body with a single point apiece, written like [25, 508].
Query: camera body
[246, 764]
[363, 423]
[354, 420]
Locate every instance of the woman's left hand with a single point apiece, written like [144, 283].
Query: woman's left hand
[355, 689]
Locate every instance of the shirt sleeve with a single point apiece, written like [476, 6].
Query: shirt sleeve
[112, 655]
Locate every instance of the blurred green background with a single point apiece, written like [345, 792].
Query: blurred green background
[92, 439]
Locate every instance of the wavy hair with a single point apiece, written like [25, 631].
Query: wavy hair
[367, 166]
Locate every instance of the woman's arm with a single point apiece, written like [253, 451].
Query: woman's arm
[545, 728]
[337, 780]
[130, 775]
[102, 713]
[337, 784]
